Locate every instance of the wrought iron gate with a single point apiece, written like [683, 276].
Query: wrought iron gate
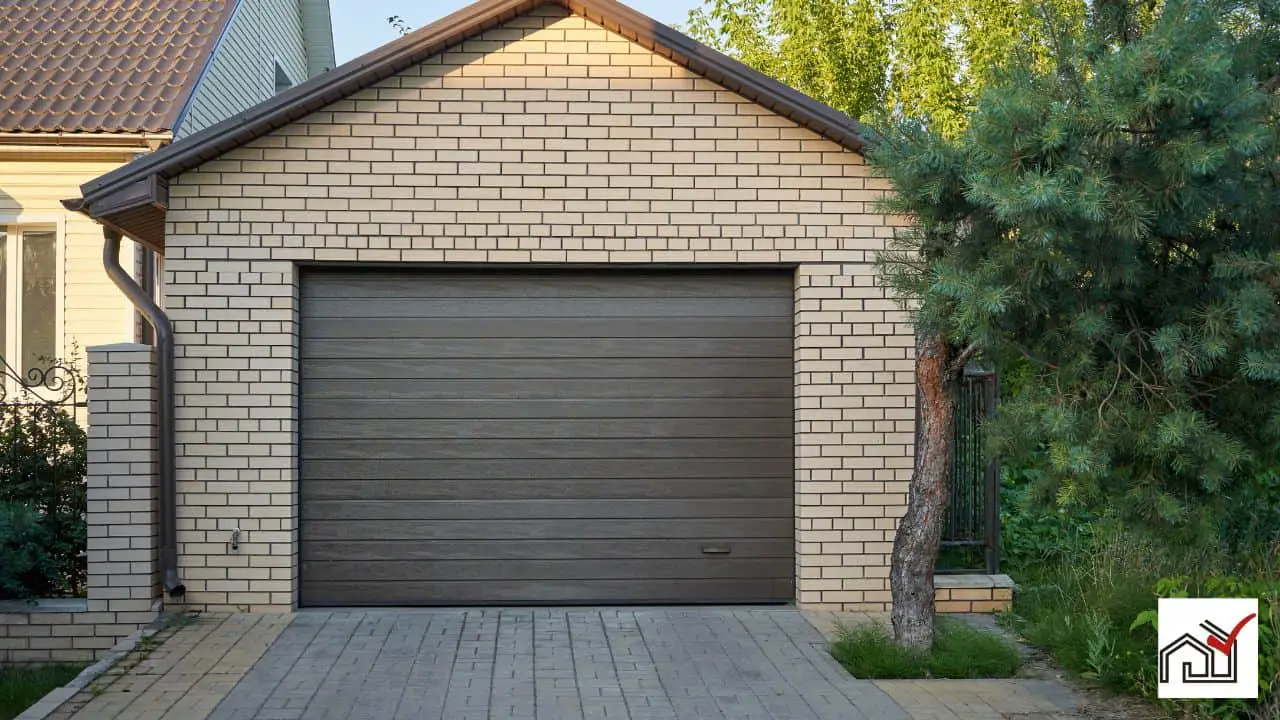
[971, 532]
[42, 468]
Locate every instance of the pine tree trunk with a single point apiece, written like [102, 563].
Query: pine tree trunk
[915, 547]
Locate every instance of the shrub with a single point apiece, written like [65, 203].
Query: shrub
[24, 556]
[1080, 609]
[42, 468]
[959, 651]
[1265, 587]
[1033, 530]
[1094, 611]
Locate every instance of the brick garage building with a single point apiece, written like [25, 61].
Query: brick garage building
[543, 303]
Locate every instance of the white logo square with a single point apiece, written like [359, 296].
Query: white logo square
[1208, 648]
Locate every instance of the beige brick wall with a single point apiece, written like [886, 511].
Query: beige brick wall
[122, 543]
[973, 593]
[551, 140]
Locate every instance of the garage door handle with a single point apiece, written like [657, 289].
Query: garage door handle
[715, 550]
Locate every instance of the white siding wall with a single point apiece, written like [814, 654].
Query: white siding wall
[95, 312]
[242, 71]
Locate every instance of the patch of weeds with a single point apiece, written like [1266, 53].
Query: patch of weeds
[959, 651]
[1082, 619]
[21, 686]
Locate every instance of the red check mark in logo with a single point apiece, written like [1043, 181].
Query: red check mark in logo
[1225, 647]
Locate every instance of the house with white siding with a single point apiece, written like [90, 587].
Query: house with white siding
[85, 87]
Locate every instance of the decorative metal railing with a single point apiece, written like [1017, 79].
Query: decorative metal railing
[43, 460]
[971, 533]
[55, 383]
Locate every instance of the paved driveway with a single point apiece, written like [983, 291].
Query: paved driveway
[643, 664]
[535, 663]
[511, 664]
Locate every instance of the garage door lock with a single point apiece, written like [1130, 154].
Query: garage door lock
[716, 550]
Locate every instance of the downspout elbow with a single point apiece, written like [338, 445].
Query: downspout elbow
[166, 444]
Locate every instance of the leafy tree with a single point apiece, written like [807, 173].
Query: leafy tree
[835, 51]
[880, 58]
[1110, 224]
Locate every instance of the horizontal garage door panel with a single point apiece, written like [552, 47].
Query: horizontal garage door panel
[468, 284]
[532, 348]
[584, 448]
[579, 428]
[346, 309]
[395, 372]
[546, 529]
[401, 407]
[440, 488]
[612, 548]
[542, 327]
[548, 469]
[547, 389]
[543, 592]
[390, 571]
[546, 437]
[566, 509]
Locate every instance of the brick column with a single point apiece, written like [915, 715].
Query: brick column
[122, 483]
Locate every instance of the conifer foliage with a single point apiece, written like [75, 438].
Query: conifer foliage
[1110, 228]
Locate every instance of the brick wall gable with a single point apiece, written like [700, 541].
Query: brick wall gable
[548, 140]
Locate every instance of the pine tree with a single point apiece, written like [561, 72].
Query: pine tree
[1109, 224]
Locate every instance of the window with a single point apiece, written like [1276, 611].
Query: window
[28, 297]
[282, 79]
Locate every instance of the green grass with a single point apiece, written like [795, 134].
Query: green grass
[21, 686]
[1081, 611]
[1082, 619]
[959, 651]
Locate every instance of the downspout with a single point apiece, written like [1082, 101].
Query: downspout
[146, 263]
[166, 446]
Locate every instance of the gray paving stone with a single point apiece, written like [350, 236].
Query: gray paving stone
[701, 663]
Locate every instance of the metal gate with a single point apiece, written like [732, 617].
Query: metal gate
[971, 533]
[43, 463]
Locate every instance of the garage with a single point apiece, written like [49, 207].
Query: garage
[546, 436]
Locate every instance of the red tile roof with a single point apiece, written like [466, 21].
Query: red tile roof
[114, 66]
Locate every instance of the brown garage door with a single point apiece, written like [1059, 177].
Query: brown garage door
[546, 437]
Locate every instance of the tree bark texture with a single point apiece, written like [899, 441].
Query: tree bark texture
[915, 547]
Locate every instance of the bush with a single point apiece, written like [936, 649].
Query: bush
[24, 557]
[1033, 531]
[1080, 610]
[42, 502]
[1093, 612]
[959, 651]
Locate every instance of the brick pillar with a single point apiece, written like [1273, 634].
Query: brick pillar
[123, 486]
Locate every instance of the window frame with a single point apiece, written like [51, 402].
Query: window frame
[14, 226]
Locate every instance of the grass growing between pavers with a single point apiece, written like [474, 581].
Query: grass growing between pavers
[21, 686]
[868, 652]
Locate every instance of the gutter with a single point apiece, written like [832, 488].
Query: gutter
[166, 446]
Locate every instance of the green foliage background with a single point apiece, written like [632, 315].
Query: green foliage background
[878, 59]
[1105, 230]
[42, 503]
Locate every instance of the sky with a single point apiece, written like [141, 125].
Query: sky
[361, 25]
